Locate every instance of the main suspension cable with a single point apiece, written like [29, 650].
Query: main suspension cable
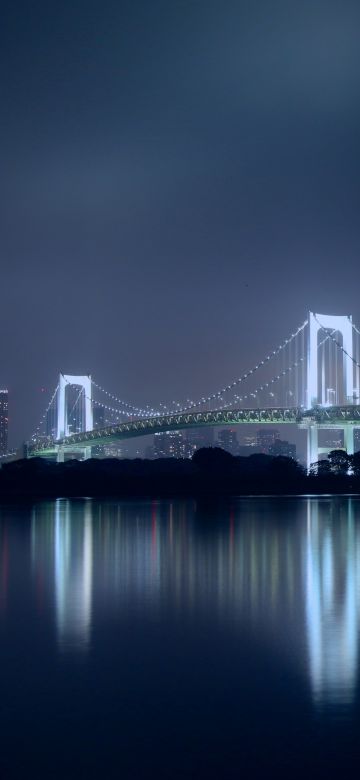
[243, 377]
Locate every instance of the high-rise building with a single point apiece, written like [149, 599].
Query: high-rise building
[4, 421]
[227, 440]
[248, 440]
[265, 438]
[248, 444]
[115, 450]
[196, 438]
[170, 444]
[177, 444]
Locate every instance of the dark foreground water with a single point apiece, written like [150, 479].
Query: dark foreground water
[180, 640]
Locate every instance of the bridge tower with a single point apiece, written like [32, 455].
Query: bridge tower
[83, 382]
[316, 392]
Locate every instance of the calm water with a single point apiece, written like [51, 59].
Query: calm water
[180, 640]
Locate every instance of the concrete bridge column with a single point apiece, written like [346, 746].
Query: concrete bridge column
[349, 439]
[312, 445]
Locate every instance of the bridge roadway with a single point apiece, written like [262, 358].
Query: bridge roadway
[326, 417]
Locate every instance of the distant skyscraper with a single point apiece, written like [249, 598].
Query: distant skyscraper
[196, 438]
[4, 421]
[177, 444]
[249, 440]
[227, 440]
[265, 438]
[170, 444]
[115, 450]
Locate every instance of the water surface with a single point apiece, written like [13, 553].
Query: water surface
[179, 639]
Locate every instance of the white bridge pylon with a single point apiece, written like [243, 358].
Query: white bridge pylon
[335, 324]
[316, 390]
[65, 380]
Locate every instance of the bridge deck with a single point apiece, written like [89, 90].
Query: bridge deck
[335, 416]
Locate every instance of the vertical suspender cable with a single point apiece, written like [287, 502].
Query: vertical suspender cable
[324, 365]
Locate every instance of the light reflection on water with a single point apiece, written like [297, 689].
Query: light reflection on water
[332, 596]
[73, 559]
[286, 571]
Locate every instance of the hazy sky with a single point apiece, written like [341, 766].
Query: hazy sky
[179, 185]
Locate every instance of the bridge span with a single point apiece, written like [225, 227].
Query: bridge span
[343, 417]
[311, 379]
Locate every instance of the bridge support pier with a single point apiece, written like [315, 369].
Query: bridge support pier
[349, 439]
[84, 453]
[312, 445]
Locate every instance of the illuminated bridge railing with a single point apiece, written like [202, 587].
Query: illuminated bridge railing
[326, 416]
[323, 415]
[159, 424]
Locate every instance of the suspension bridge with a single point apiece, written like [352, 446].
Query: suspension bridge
[311, 379]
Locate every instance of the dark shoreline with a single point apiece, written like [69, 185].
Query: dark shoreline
[211, 474]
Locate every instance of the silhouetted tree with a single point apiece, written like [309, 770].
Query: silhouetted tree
[355, 464]
[213, 459]
[285, 466]
[320, 468]
[339, 461]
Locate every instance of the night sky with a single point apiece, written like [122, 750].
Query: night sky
[179, 185]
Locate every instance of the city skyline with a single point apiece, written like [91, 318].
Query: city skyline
[324, 349]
